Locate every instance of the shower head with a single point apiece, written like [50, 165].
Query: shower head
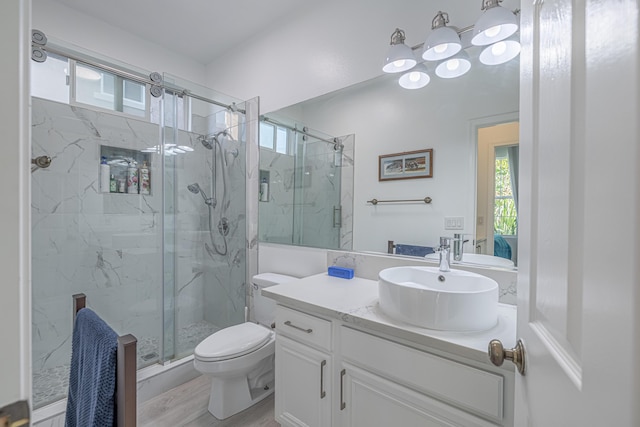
[195, 189]
[208, 140]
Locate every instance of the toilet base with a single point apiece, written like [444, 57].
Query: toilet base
[232, 395]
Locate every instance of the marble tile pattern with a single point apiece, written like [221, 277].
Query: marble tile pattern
[105, 245]
[303, 191]
[110, 246]
[346, 191]
[368, 266]
[317, 194]
[276, 215]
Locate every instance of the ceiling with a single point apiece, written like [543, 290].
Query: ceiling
[199, 29]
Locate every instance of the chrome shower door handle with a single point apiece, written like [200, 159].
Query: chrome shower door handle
[337, 216]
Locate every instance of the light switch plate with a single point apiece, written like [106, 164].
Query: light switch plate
[454, 223]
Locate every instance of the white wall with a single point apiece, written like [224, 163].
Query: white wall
[15, 322]
[331, 46]
[62, 23]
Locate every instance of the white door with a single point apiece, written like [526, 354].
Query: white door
[579, 280]
[15, 321]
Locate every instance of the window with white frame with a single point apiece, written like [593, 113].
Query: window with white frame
[274, 138]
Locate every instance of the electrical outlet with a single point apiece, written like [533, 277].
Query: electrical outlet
[454, 223]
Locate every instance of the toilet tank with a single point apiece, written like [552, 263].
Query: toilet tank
[264, 309]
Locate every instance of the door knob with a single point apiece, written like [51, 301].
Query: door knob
[498, 354]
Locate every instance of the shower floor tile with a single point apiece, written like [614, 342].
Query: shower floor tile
[51, 385]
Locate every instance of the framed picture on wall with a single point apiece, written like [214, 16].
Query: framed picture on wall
[407, 165]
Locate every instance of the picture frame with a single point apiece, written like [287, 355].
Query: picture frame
[407, 165]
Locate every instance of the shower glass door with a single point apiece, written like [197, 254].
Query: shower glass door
[205, 205]
[87, 239]
[317, 175]
[166, 263]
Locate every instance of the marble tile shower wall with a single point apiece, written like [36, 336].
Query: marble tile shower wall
[346, 191]
[210, 270]
[105, 245]
[109, 246]
[275, 222]
[301, 212]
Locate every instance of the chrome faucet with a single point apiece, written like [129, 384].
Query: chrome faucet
[445, 253]
[458, 246]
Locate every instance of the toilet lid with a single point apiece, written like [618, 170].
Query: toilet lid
[233, 341]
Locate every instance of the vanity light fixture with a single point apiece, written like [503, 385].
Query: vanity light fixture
[500, 52]
[495, 24]
[415, 78]
[400, 57]
[443, 42]
[495, 31]
[455, 66]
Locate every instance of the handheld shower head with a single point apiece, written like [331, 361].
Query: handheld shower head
[195, 189]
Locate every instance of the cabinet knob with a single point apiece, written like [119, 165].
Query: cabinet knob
[498, 354]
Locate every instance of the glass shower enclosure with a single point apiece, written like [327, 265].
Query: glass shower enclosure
[165, 261]
[303, 171]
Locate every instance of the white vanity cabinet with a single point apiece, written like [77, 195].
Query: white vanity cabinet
[304, 366]
[330, 374]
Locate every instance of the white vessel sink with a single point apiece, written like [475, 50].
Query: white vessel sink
[480, 259]
[449, 301]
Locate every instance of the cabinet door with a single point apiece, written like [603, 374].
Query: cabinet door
[369, 400]
[303, 384]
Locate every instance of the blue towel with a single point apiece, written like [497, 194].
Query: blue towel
[92, 381]
[501, 247]
[413, 250]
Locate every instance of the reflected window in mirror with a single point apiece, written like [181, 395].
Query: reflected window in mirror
[497, 191]
[274, 138]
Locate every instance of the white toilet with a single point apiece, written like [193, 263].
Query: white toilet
[240, 358]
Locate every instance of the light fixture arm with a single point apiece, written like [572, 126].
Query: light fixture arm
[397, 37]
[440, 20]
[488, 4]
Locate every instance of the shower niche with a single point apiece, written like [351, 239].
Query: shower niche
[128, 171]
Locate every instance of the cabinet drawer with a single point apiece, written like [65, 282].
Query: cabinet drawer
[304, 327]
[473, 389]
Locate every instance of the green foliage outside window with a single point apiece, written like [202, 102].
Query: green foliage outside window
[505, 214]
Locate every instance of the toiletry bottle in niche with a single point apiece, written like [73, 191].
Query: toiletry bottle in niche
[105, 175]
[122, 186]
[113, 185]
[264, 190]
[132, 178]
[145, 181]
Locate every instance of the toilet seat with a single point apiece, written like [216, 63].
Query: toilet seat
[232, 342]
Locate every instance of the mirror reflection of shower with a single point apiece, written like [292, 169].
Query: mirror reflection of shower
[212, 142]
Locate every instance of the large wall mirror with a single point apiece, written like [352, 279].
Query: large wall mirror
[470, 123]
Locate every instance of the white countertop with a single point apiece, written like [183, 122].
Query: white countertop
[355, 301]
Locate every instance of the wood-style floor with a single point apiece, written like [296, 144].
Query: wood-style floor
[186, 406]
